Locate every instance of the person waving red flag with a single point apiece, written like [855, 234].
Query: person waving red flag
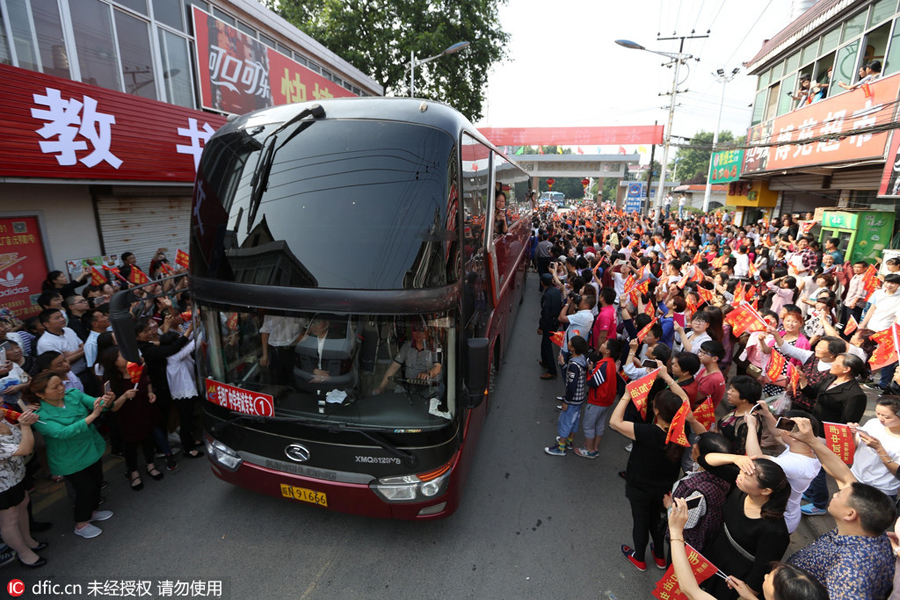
[137, 277]
[676, 427]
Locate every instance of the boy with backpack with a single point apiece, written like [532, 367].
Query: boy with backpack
[601, 393]
[576, 394]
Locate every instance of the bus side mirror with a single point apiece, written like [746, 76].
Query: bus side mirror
[478, 364]
[123, 325]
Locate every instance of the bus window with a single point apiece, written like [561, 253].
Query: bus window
[476, 192]
[392, 371]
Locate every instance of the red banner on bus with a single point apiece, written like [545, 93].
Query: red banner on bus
[240, 400]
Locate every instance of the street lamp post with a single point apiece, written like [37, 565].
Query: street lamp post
[677, 58]
[413, 63]
[722, 78]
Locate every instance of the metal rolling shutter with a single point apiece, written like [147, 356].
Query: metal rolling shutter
[142, 224]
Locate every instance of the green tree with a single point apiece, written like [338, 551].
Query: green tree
[691, 164]
[656, 169]
[610, 185]
[377, 37]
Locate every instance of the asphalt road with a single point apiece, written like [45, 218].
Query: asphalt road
[530, 526]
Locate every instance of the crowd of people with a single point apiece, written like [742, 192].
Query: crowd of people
[726, 447]
[69, 395]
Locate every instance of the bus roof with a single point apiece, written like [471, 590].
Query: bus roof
[409, 110]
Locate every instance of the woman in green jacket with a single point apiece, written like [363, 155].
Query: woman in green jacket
[74, 448]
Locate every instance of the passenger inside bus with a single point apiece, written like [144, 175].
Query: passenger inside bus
[421, 364]
[325, 355]
[501, 218]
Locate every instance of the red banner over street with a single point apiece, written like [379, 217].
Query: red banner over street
[574, 136]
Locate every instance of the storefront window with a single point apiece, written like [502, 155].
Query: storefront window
[5, 57]
[784, 100]
[169, 13]
[759, 107]
[135, 5]
[845, 68]
[809, 52]
[137, 56]
[854, 26]
[223, 16]
[94, 43]
[20, 24]
[881, 11]
[892, 62]
[189, 14]
[875, 43]
[830, 39]
[176, 69]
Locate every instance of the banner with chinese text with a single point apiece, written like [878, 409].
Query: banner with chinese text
[726, 166]
[239, 74]
[239, 399]
[838, 116]
[58, 128]
[840, 440]
[23, 265]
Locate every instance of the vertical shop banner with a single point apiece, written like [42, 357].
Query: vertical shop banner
[239, 74]
[23, 265]
[726, 166]
[890, 179]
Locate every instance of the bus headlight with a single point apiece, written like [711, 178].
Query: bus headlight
[408, 488]
[222, 455]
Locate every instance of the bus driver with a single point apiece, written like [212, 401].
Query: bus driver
[418, 361]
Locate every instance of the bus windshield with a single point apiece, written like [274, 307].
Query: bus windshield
[385, 371]
[349, 204]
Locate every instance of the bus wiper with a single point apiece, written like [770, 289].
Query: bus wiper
[260, 181]
[218, 427]
[410, 459]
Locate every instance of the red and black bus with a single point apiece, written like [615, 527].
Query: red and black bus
[353, 292]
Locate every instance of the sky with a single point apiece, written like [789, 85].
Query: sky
[565, 69]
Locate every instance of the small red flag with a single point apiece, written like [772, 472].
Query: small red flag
[115, 272]
[134, 371]
[886, 351]
[11, 416]
[776, 365]
[97, 278]
[705, 413]
[646, 329]
[182, 259]
[851, 326]
[557, 337]
[676, 427]
[793, 378]
[839, 440]
[738, 294]
[640, 389]
[704, 294]
[137, 277]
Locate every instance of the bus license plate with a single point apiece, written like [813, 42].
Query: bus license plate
[303, 494]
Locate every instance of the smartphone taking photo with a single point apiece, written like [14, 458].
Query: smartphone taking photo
[693, 502]
[785, 424]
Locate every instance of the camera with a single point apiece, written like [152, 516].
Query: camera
[576, 298]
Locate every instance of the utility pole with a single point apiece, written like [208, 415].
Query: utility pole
[722, 78]
[646, 210]
[677, 59]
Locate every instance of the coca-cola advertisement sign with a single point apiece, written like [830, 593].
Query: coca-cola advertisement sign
[239, 74]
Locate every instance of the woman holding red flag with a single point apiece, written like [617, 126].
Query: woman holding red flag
[653, 467]
[137, 416]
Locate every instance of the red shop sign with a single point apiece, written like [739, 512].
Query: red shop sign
[22, 265]
[240, 400]
[778, 143]
[54, 127]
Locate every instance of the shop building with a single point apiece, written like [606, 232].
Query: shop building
[827, 146]
[107, 105]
